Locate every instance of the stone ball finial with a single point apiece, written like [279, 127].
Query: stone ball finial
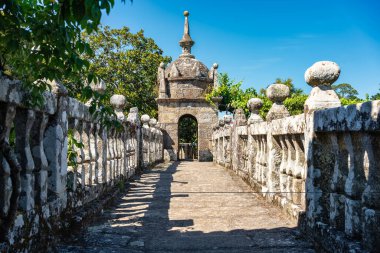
[254, 104]
[322, 73]
[162, 65]
[227, 119]
[99, 86]
[152, 122]
[215, 65]
[118, 101]
[186, 13]
[145, 119]
[221, 122]
[278, 92]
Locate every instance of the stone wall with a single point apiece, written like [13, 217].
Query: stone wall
[321, 167]
[40, 194]
[169, 113]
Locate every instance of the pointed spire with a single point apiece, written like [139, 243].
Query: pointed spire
[186, 42]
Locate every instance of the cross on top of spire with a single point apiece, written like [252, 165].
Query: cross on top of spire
[186, 42]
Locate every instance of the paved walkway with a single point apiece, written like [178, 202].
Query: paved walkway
[190, 207]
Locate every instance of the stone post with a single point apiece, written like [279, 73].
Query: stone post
[321, 75]
[162, 81]
[152, 145]
[277, 93]
[99, 87]
[55, 143]
[118, 103]
[223, 151]
[235, 157]
[254, 105]
[145, 138]
[134, 120]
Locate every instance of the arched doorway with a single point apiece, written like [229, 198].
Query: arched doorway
[187, 138]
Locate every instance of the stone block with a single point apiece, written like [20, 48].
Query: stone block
[371, 229]
[353, 212]
[337, 211]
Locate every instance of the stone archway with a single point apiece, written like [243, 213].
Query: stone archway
[183, 85]
[187, 137]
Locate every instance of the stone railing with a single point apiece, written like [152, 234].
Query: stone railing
[321, 167]
[42, 191]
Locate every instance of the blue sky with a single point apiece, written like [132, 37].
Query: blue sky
[259, 40]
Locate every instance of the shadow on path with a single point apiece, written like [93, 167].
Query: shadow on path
[189, 207]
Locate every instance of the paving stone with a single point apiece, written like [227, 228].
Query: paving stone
[190, 207]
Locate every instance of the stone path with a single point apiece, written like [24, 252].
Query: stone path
[189, 207]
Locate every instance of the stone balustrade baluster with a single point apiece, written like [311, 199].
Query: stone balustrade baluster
[23, 124]
[97, 152]
[40, 160]
[91, 152]
[83, 140]
[7, 115]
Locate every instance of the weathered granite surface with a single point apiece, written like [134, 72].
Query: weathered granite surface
[321, 167]
[183, 85]
[42, 191]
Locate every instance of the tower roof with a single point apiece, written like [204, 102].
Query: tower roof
[186, 66]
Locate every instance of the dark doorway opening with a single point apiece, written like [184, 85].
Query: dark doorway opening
[188, 138]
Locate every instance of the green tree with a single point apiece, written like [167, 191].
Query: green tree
[233, 96]
[376, 96]
[345, 90]
[41, 39]
[128, 64]
[188, 130]
[289, 82]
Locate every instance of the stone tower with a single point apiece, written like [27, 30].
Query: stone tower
[182, 88]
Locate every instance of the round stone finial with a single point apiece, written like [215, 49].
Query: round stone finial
[215, 65]
[278, 92]
[186, 13]
[254, 104]
[322, 73]
[118, 101]
[152, 122]
[227, 119]
[221, 122]
[145, 119]
[162, 65]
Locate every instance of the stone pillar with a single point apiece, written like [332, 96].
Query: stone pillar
[277, 93]
[162, 81]
[55, 143]
[152, 154]
[145, 139]
[254, 105]
[213, 75]
[321, 75]
[118, 103]
[134, 120]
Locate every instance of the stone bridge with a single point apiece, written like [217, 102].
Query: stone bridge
[300, 183]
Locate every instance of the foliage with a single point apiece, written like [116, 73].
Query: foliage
[41, 39]
[73, 146]
[289, 82]
[345, 90]
[233, 96]
[128, 64]
[352, 101]
[188, 130]
[376, 96]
